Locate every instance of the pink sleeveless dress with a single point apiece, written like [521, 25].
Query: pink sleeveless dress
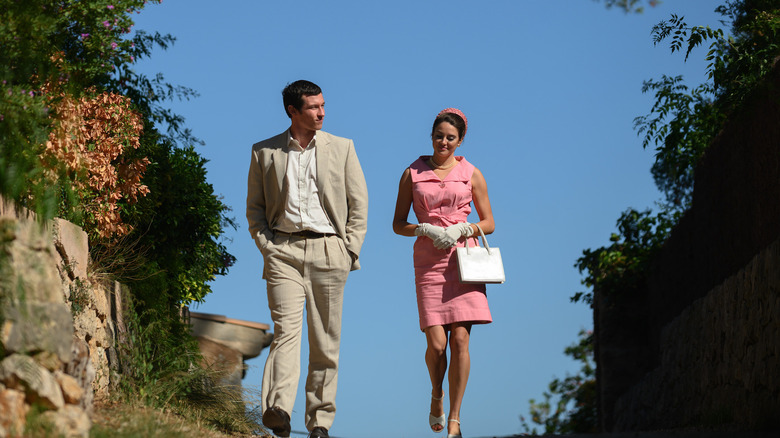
[441, 298]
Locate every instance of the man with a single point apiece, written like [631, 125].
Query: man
[307, 207]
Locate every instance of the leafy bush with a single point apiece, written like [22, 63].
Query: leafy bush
[681, 125]
[89, 139]
[574, 411]
[621, 267]
[80, 136]
[49, 49]
[178, 226]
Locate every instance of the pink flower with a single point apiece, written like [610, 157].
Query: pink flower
[84, 36]
[113, 45]
[110, 6]
[107, 23]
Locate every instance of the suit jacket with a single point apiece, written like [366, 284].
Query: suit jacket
[340, 181]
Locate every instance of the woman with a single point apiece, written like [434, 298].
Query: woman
[440, 189]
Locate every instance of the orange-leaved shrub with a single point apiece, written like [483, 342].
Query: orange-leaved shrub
[89, 137]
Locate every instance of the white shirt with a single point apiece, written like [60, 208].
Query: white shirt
[302, 210]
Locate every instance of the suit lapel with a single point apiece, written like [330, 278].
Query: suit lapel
[322, 164]
[279, 158]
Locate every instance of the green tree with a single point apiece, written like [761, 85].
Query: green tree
[55, 52]
[178, 229]
[621, 267]
[48, 47]
[67, 48]
[681, 125]
[569, 405]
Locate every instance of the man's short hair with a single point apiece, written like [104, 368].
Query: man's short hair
[293, 94]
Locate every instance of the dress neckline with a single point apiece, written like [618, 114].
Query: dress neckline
[425, 158]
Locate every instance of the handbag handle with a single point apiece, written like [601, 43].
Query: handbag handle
[484, 240]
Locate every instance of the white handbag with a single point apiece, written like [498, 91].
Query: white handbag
[480, 265]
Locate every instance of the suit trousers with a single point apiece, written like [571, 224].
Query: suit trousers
[305, 273]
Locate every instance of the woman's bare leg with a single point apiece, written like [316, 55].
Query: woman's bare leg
[460, 365]
[436, 360]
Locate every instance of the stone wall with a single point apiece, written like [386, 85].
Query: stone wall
[720, 361]
[698, 345]
[58, 328]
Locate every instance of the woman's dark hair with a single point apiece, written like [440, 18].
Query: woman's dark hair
[454, 120]
[293, 94]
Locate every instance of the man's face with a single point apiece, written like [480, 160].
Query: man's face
[311, 114]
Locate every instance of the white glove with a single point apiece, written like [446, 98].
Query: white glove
[433, 232]
[452, 234]
[463, 228]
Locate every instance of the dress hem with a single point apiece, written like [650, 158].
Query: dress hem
[475, 322]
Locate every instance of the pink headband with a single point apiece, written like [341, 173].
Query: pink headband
[458, 113]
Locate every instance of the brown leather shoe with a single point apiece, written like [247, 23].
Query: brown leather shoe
[319, 432]
[279, 421]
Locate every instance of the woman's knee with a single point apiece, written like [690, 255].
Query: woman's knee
[459, 339]
[437, 341]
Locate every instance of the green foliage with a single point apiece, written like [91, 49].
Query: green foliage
[157, 356]
[68, 48]
[178, 226]
[165, 370]
[37, 425]
[569, 405]
[682, 124]
[148, 94]
[620, 268]
[630, 5]
[48, 46]
[79, 297]
[72, 46]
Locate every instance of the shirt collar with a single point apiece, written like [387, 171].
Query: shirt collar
[293, 143]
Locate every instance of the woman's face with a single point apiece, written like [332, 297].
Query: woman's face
[445, 140]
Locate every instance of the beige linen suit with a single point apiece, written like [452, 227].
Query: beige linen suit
[306, 272]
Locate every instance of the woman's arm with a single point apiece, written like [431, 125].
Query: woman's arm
[479, 194]
[402, 205]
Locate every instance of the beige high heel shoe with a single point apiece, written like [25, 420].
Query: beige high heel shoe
[433, 421]
[451, 435]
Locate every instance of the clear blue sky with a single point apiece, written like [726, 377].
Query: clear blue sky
[550, 88]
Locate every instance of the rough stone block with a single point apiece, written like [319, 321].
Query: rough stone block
[72, 244]
[48, 360]
[70, 421]
[13, 411]
[33, 327]
[34, 275]
[23, 373]
[101, 299]
[81, 368]
[72, 392]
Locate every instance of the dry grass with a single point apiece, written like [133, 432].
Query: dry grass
[126, 421]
